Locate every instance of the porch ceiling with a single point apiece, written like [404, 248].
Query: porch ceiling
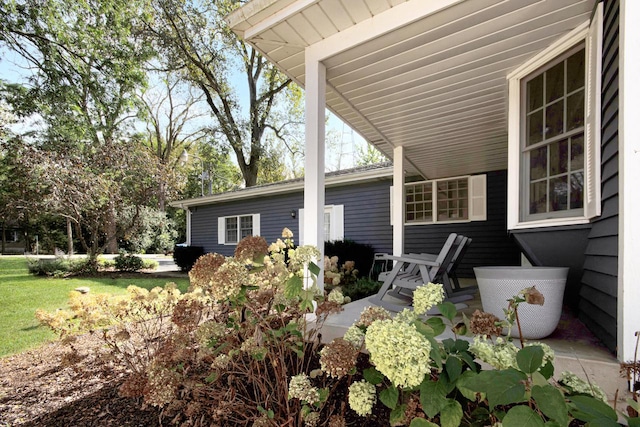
[434, 81]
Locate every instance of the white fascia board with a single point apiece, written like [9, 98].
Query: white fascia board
[283, 188]
[376, 26]
[243, 16]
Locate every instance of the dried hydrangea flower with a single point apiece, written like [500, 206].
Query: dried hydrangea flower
[483, 323]
[300, 388]
[204, 269]
[371, 314]
[162, 385]
[338, 358]
[328, 307]
[362, 397]
[533, 296]
[228, 280]
[398, 351]
[337, 421]
[187, 313]
[250, 248]
[427, 296]
[312, 419]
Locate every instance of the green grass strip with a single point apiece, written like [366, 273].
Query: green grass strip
[21, 294]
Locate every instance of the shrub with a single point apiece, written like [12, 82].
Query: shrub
[360, 253]
[186, 256]
[128, 262]
[222, 353]
[361, 288]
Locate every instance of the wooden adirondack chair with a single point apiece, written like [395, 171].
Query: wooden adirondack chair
[411, 271]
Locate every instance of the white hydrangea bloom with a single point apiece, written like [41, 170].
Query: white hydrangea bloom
[355, 336]
[336, 296]
[398, 351]
[300, 388]
[406, 316]
[362, 397]
[580, 386]
[427, 296]
[501, 355]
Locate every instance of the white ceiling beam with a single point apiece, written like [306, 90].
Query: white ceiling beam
[378, 25]
[278, 18]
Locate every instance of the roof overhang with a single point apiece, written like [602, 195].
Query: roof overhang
[426, 75]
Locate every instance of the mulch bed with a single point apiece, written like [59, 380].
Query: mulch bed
[37, 389]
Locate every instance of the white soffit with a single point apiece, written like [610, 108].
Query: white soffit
[434, 81]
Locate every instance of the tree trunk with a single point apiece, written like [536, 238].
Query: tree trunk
[112, 239]
[4, 238]
[69, 238]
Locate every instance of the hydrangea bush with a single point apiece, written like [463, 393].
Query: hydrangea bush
[239, 349]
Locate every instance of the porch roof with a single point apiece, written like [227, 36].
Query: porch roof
[429, 75]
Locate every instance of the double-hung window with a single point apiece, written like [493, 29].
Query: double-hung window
[446, 200]
[232, 229]
[554, 132]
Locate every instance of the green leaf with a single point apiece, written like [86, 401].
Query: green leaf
[323, 395]
[530, 358]
[421, 422]
[469, 361]
[461, 346]
[588, 408]
[293, 286]
[551, 402]
[633, 422]
[397, 415]
[451, 414]
[437, 324]
[453, 367]
[313, 268]
[389, 397]
[448, 310]
[466, 391]
[373, 376]
[522, 416]
[426, 330]
[433, 397]
[502, 387]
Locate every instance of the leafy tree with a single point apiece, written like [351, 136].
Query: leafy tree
[86, 59]
[368, 155]
[171, 111]
[198, 43]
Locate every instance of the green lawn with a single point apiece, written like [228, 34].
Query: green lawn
[21, 294]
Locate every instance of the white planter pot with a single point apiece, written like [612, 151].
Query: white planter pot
[498, 284]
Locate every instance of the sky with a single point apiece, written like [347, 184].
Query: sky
[341, 154]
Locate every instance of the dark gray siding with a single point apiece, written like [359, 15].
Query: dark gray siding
[598, 304]
[275, 214]
[366, 216]
[491, 244]
[367, 220]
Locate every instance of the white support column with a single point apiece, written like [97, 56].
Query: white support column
[187, 214]
[398, 201]
[315, 84]
[629, 176]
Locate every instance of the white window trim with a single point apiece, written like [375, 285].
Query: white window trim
[222, 228]
[591, 35]
[336, 223]
[477, 200]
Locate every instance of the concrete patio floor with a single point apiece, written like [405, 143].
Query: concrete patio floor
[576, 348]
